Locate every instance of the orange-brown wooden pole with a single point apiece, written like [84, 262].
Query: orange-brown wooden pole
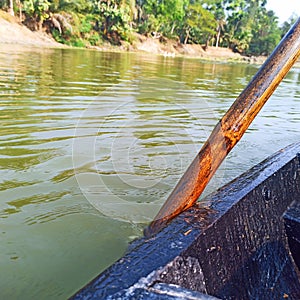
[230, 129]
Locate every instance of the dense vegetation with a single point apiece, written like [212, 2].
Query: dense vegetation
[245, 26]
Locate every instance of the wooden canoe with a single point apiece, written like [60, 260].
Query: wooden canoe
[241, 242]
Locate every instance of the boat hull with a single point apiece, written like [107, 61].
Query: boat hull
[241, 242]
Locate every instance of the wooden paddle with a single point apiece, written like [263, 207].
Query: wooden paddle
[230, 129]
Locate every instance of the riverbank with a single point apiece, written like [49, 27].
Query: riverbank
[13, 32]
[172, 48]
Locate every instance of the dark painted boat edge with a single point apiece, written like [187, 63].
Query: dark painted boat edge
[234, 243]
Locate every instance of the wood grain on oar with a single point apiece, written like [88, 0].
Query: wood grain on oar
[230, 129]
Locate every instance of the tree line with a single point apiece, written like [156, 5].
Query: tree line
[245, 26]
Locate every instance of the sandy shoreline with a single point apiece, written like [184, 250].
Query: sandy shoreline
[12, 32]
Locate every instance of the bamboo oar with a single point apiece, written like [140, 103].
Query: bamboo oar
[230, 129]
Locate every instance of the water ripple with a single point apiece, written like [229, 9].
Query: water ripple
[92, 143]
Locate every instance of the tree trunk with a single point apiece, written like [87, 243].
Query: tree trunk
[206, 43]
[218, 36]
[20, 10]
[187, 36]
[173, 28]
[11, 8]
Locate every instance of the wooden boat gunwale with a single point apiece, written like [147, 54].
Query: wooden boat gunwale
[236, 245]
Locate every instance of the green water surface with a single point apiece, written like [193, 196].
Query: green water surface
[91, 144]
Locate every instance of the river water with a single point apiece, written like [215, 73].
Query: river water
[92, 143]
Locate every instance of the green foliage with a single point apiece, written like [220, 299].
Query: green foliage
[200, 24]
[79, 6]
[94, 39]
[149, 25]
[250, 28]
[245, 26]
[58, 37]
[165, 17]
[37, 9]
[266, 35]
[85, 26]
[3, 4]
[114, 17]
[287, 24]
[77, 42]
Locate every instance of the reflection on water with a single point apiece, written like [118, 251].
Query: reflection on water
[92, 143]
